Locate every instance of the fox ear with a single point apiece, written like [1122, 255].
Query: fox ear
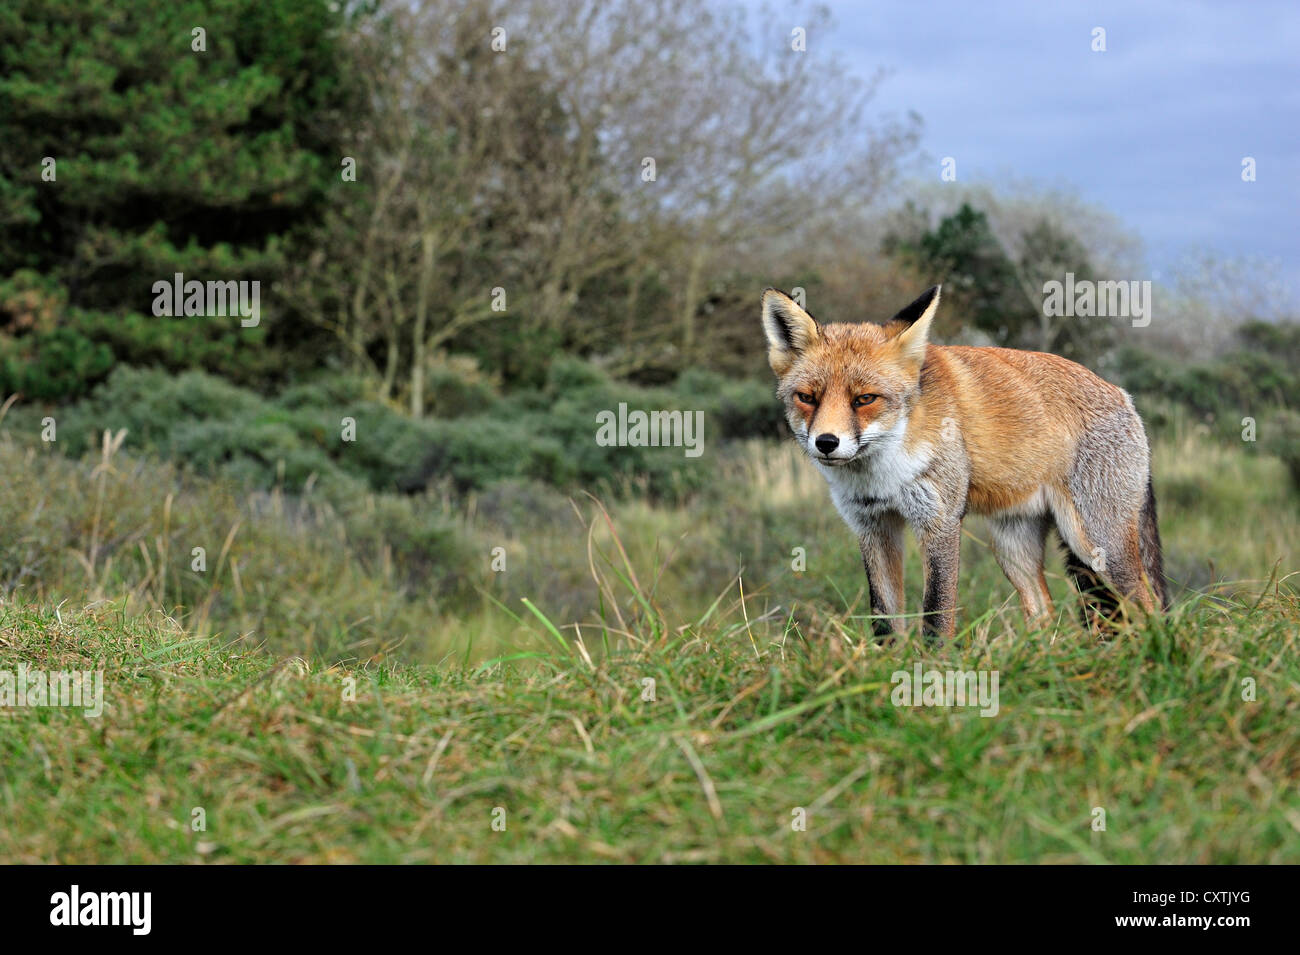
[790, 330]
[916, 319]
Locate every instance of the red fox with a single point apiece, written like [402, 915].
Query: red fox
[906, 432]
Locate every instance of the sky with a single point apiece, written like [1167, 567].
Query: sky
[1154, 129]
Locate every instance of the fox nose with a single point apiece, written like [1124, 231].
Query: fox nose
[826, 443]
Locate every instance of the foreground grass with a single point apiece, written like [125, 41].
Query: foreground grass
[750, 721]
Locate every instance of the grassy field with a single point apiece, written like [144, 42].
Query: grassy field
[767, 700]
[567, 753]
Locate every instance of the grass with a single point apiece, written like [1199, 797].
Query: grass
[1151, 728]
[528, 699]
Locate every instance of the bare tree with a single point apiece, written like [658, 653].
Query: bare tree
[506, 148]
[753, 145]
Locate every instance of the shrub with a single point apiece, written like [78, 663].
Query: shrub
[455, 387]
[296, 441]
[50, 365]
[738, 408]
[1281, 437]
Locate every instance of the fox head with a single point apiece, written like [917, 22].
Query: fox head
[846, 386]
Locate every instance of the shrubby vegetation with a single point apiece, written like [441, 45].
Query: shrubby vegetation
[1250, 393]
[354, 574]
[295, 442]
[1262, 371]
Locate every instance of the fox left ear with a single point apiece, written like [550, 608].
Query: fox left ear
[916, 319]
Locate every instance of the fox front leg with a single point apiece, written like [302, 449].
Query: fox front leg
[941, 553]
[881, 539]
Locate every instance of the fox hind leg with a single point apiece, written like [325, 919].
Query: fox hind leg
[1101, 516]
[1098, 604]
[1104, 559]
[1116, 535]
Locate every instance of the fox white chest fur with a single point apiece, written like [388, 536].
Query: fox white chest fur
[884, 475]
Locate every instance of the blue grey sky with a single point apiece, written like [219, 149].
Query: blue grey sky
[1154, 129]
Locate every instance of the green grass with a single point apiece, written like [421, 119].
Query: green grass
[748, 723]
[225, 691]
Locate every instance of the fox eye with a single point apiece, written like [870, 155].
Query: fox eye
[863, 400]
[805, 397]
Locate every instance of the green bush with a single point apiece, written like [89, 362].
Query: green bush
[1280, 434]
[737, 408]
[424, 547]
[456, 388]
[296, 441]
[1265, 373]
[54, 364]
[1260, 380]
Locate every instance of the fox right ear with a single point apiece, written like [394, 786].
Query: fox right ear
[790, 330]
